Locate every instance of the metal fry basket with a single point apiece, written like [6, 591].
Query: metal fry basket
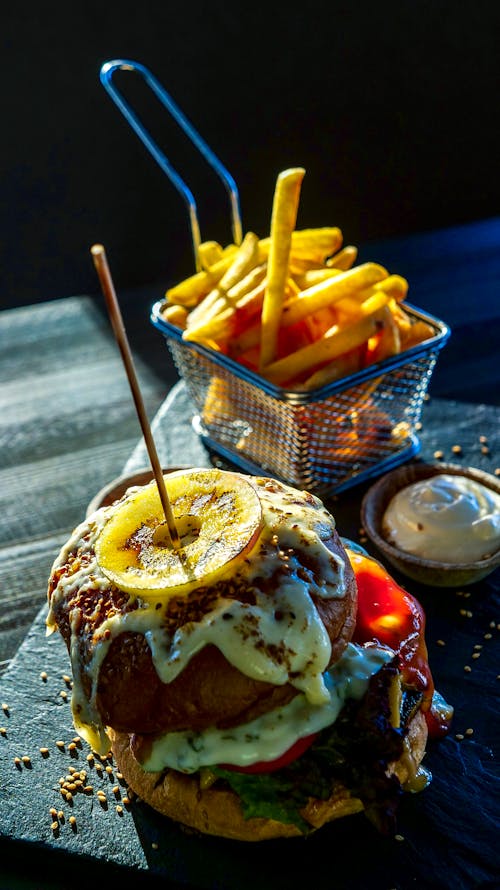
[323, 440]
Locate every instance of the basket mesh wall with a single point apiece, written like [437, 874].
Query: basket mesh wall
[320, 444]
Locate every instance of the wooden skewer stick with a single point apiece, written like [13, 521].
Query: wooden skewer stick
[102, 268]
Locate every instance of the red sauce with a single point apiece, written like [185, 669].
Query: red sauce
[392, 616]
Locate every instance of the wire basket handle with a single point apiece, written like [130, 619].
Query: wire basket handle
[106, 76]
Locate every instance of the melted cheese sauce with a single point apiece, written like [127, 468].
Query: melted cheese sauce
[270, 735]
[280, 638]
[447, 518]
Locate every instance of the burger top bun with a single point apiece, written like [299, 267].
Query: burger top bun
[217, 810]
[275, 607]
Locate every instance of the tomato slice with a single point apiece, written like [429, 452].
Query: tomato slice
[269, 766]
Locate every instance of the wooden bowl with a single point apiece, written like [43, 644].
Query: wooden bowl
[425, 571]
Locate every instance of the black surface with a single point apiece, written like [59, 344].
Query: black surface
[393, 111]
[450, 830]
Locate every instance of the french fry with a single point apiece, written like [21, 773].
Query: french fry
[415, 332]
[220, 313]
[344, 259]
[190, 291]
[245, 259]
[283, 219]
[335, 342]
[327, 292]
[310, 248]
[224, 325]
[315, 276]
[209, 253]
[175, 314]
[394, 286]
[247, 284]
[342, 366]
[386, 342]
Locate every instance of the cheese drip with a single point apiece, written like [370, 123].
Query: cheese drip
[270, 735]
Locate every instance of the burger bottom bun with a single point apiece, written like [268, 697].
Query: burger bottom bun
[217, 811]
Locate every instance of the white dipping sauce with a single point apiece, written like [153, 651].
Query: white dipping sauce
[446, 518]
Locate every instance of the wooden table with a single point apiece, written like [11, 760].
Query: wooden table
[68, 426]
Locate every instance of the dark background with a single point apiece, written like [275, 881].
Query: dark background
[392, 108]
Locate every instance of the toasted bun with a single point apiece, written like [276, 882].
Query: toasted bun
[217, 811]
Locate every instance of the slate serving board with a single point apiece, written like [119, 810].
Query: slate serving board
[448, 833]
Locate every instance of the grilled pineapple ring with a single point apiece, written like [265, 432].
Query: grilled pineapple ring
[218, 516]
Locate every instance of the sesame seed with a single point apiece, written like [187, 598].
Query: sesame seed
[476, 655]
[88, 789]
[17, 761]
[5, 707]
[66, 678]
[492, 624]
[26, 759]
[467, 668]
[483, 439]
[485, 449]
[72, 820]
[154, 845]
[441, 642]
[398, 837]
[63, 694]
[90, 758]
[44, 752]
[116, 789]
[457, 449]
[55, 826]
[438, 455]
[478, 646]
[60, 814]
[53, 812]
[109, 770]
[3, 730]
[71, 746]
[488, 636]
[459, 736]
[119, 809]
[469, 731]
[497, 471]
[60, 744]
[44, 676]
[126, 801]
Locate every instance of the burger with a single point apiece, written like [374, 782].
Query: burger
[255, 678]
